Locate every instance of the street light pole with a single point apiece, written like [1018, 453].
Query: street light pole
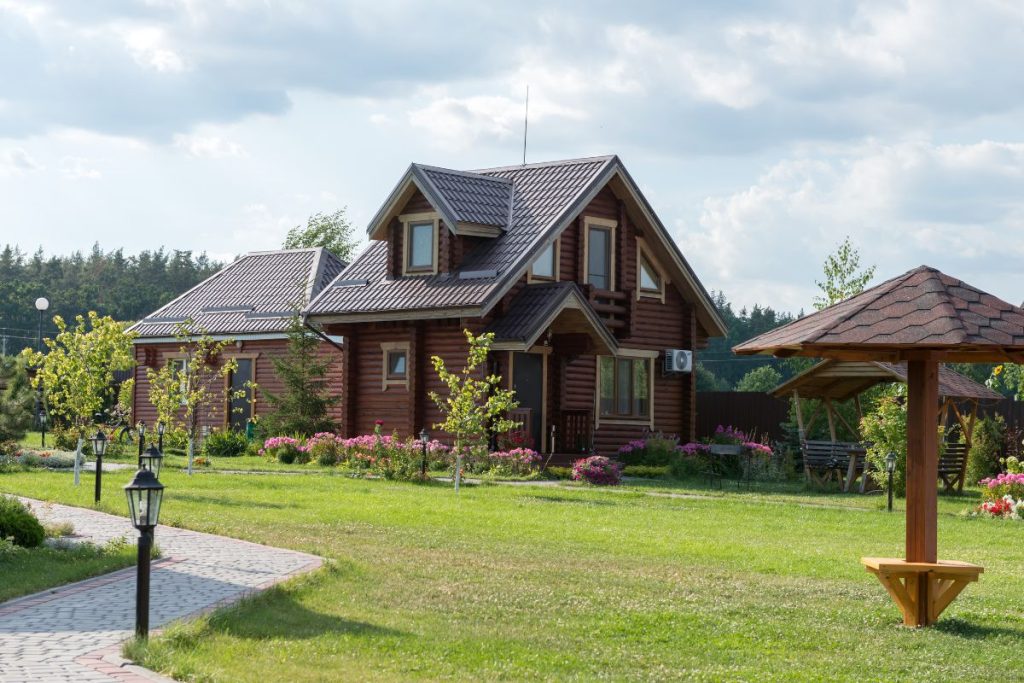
[42, 304]
[144, 493]
[424, 438]
[890, 468]
[99, 447]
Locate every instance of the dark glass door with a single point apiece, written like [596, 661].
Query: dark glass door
[241, 405]
[528, 383]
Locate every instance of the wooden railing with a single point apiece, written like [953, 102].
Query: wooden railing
[612, 307]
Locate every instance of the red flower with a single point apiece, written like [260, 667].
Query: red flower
[378, 422]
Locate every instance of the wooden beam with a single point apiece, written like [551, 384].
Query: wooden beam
[922, 463]
[830, 414]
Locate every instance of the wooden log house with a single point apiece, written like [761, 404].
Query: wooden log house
[570, 268]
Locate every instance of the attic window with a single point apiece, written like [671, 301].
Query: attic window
[649, 281]
[420, 244]
[546, 265]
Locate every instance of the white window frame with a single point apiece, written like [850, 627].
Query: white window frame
[408, 220]
[644, 256]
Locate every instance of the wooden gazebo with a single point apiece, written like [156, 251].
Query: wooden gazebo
[832, 382]
[922, 318]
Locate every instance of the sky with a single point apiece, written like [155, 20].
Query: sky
[762, 133]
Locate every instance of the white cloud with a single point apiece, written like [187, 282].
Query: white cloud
[957, 207]
[79, 168]
[18, 162]
[210, 147]
[148, 46]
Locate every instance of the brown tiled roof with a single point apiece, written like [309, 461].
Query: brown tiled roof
[543, 195]
[532, 310]
[841, 380]
[253, 295]
[470, 197]
[921, 309]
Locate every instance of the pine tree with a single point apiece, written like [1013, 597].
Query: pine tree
[302, 407]
[16, 399]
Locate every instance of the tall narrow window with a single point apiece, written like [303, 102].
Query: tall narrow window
[180, 369]
[625, 387]
[544, 266]
[599, 257]
[421, 247]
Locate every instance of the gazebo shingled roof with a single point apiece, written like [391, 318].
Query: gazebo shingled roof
[921, 310]
[842, 380]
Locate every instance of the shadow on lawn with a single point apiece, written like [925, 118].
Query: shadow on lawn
[279, 615]
[966, 629]
[225, 502]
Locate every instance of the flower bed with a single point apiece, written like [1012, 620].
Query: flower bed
[1003, 496]
[597, 470]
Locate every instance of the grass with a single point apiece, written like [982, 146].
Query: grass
[28, 570]
[524, 582]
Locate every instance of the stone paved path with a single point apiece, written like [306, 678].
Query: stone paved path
[73, 633]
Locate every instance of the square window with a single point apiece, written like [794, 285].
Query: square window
[624, 387]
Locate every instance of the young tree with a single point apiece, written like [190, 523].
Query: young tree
[333, 232]
[763, 379]
[303, 404]
[843, 277]
[182, 395]
[16, 399]
[77, 372]
[476, 406]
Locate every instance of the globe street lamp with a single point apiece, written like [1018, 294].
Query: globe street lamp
[160, 428]
[99, 447]
[42, 425]
[144, 493]
[151, 460]
[890, 468]
[42, 304]
[424, 439]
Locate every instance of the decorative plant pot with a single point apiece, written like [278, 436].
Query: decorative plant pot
[726, 449]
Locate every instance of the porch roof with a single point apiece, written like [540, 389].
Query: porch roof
[559, 306]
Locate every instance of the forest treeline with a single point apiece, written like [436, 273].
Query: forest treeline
[125, 287]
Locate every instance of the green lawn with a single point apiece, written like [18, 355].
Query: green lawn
[34, 569]
[529, 582]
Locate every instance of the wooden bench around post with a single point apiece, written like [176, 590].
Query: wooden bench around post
[922, 590]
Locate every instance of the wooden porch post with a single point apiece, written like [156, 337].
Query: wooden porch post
[922, 461]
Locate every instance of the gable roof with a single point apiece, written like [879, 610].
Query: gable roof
[545, 198]
[536, 307]
[253, 295]
[841, 380]
[923, 309]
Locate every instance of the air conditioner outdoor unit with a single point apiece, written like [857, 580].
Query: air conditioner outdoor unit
[678, 360]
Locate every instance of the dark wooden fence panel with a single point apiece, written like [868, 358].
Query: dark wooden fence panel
[753, 412]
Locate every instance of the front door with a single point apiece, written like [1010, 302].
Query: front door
[528, 383]
[240, 407]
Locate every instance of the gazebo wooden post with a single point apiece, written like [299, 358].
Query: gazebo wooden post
[922, 472]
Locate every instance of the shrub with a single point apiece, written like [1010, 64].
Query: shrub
[326, 448]
[645, 471]
[9, 448]
[225, 443]
[654, 450]
[51, 461]
[597, 470]
[986, 442]
[18, 524]
[560, 472]
[284, 448]
[515, 462]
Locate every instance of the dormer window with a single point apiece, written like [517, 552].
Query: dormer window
[600, 254]
[545, 267]
[420, 236]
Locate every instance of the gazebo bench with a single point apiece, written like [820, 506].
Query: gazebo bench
[943, 582]
[824, 460]
[953, 466]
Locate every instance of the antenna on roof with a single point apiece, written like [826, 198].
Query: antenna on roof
[526, 121]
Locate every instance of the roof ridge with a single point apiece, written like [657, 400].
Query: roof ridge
[268, 252]
[543, 164]
[465, 174]
[937, 275]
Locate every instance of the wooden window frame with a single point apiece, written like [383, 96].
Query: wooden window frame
[591, 223]
[634, 355]
[227, 383]
[174, 359]
[556, 265]
[644, 256]
[408, 220]
[386, 379]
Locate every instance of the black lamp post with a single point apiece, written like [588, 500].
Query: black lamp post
[151, 460]
[160, 428]
[142, 437]
[424, 439]
[890, 468]
[99, 447]
[42, 423]
[145, 493]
